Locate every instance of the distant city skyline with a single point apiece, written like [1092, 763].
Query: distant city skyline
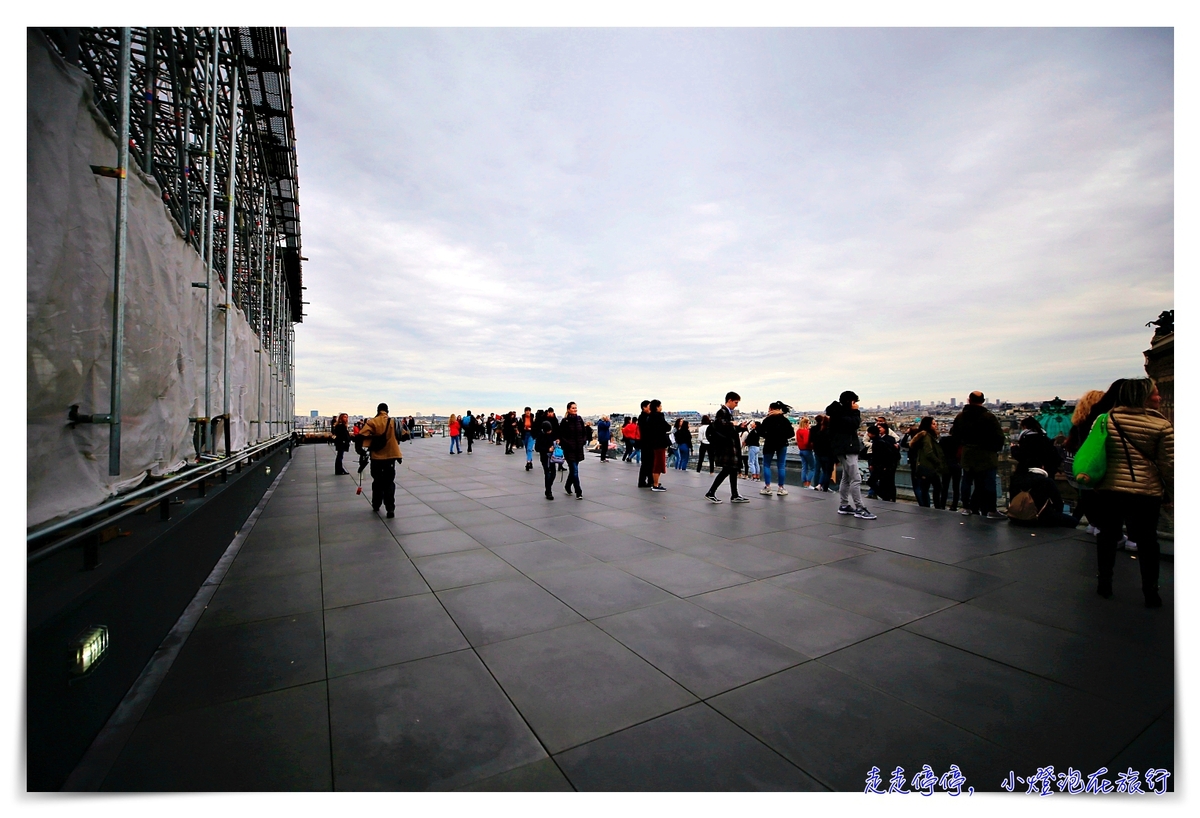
[511, 217]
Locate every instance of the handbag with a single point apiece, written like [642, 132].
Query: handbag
[1091, 461]
[556, 456]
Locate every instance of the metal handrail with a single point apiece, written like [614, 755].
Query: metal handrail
[167, 486]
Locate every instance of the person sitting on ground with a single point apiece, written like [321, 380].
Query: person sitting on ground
[1045, 500]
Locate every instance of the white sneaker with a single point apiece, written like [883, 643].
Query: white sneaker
[1130, 545]
[781, 491]
[1091, 529]
[765, 490]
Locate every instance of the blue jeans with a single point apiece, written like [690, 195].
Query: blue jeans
[455, 440]
[781, 457]
[753, 459]
[808, 466]
[683, 456]
[529, 441]
[573, 477]
[979, 490]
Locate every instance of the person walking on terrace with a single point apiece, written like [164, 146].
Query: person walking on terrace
[341, 442]
[777, 432]
[455, 431]
[380, 433]
[469, 428]
[528, 432]
[544, 440]
[1140, 451]
[726, 449]
[981, 438]
[572, 436]
[844, 422]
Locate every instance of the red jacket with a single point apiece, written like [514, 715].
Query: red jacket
[630, 430]
[455, 428]
[802, 439]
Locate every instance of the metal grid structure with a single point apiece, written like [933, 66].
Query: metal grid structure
[210, 119]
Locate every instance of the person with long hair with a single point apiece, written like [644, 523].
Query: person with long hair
[341, 442]
[572, 436]
[1140, 452]
[683, 440]
[455, 431]
[777, 433]
[822, 448]
[808, 461]
[705, 448]
[1080, 428]
[655, 430]
[929, 468]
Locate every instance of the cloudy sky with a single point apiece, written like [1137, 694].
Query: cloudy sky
[502, 217]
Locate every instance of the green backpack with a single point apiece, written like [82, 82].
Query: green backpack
[1091, 461]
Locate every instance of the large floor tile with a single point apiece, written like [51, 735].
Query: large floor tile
[796, 544]
[1046, 722]
[504, 534]
[460, 568]
[565, 524]
[691, 750]
[806, 625]
[248, 600]
[700, 650]
[403, 524]
[437, 542]
[836, 729]
[575, 684]
[874, 598]
[600, 590]
[540, 776]
[543, 555]
[362, 637]
[1141, 680]
[682, 575]
[257, 562]
[236, 661]
[436, 723]
[368, 582]
[271, 742]
[505, 609]
[746, 559]
[610, 546]
[924, 575]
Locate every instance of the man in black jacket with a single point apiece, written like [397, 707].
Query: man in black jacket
[844, 422]
[647, 463]
[979, 433]
[726, 448]
[885, 456]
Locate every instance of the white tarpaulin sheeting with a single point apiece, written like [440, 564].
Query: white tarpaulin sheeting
[70, 251]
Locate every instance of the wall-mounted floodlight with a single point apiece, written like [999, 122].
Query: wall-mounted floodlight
[88, 649]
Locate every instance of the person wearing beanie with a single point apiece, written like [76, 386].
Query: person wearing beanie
[844, 422]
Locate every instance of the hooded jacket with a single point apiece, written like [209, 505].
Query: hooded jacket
[844, 423]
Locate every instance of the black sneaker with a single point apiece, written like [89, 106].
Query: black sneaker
[579, 496]
[712, 499]
[862, 514]
[845, 509]
[657, 488]
[739, 499]
[549, 496]
[391, 514]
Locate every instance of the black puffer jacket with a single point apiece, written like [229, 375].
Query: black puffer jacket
[776, 432]
[654, 427]
[844, 423]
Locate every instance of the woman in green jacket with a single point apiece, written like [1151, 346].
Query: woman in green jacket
[928, 462]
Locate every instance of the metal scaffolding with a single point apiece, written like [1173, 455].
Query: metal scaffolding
[210, 119]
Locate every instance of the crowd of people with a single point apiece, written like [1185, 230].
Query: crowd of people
[952, 468]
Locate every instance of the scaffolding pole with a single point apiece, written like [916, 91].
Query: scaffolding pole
[230, 238]
[118, 330]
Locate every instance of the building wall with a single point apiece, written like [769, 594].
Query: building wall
[69, 277]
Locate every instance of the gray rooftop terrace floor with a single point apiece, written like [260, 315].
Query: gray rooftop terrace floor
[489, 639]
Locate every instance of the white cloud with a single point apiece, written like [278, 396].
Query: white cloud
[524, 216]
